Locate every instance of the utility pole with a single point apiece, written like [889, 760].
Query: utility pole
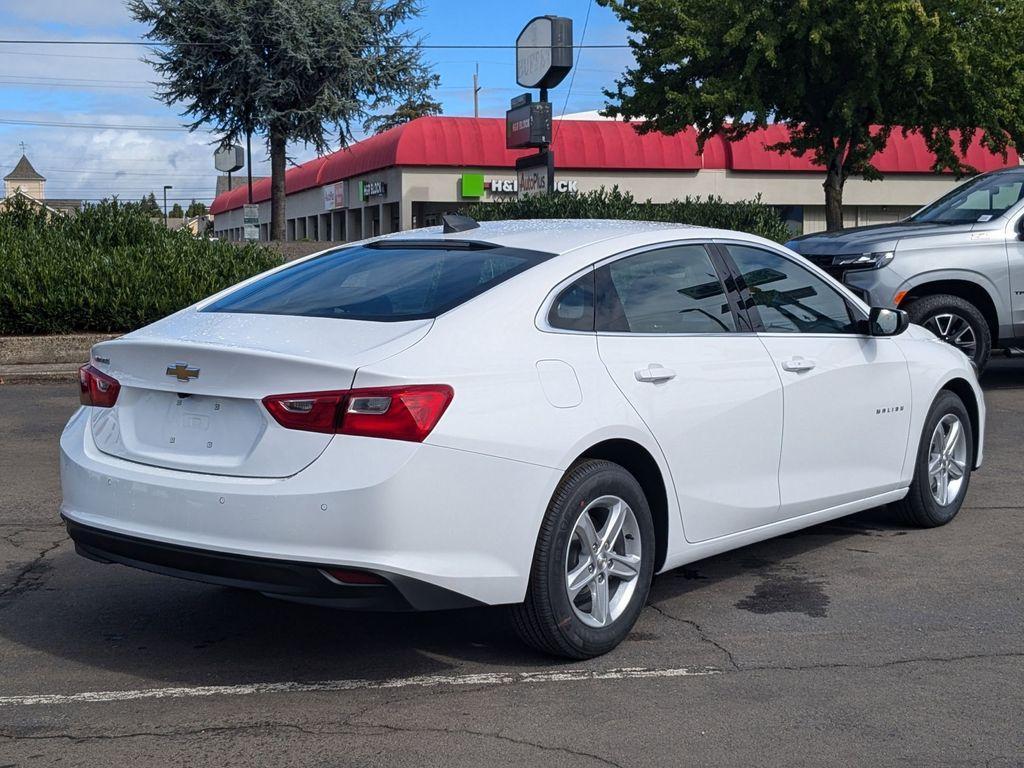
[166, 187]
[248, 160]
[476, 91]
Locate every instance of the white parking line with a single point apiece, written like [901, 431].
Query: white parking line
[425, 681]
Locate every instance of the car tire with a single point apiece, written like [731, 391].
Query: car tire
[923, 506]
[950, 318]
[552, 621]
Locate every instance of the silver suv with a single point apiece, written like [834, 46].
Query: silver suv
[956, 266]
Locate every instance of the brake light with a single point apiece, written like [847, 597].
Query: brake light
[97, 388]
[394, 413]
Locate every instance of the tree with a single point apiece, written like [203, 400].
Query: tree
[150, 206]
[840, 75]
[176, 212]
[196, 208]
[417, 102]
[286, 68]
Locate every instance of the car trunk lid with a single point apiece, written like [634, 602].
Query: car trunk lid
[192, 386]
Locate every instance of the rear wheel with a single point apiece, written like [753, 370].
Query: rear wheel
[957, 322]
[593, 564]
[943, 469]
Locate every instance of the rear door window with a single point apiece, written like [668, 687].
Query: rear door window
[385, 281]
[673, 290]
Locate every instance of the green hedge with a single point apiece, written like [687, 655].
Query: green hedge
[108, 269]
[746, 216]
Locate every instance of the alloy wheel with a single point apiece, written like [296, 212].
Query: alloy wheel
[947, 460]
[602, 561]
[954, 329]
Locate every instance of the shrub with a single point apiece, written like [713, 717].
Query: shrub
[108, 269]
[746, 216]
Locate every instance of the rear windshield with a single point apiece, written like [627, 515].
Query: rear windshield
[386, 281]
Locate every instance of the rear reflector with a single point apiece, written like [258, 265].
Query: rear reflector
[97, 388]
[394, 413]
[347, 576]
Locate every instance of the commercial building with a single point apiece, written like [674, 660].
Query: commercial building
[408, 176]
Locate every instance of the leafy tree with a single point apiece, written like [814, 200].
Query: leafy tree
[150, 206]
[286, 68]
[417, 102]
[196, 208]
[176, 212]
[840, 75]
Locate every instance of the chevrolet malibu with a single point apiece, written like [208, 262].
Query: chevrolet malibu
[542, 414]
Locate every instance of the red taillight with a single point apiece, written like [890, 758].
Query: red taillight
[308, 411]
[396, 413]
[96, 388]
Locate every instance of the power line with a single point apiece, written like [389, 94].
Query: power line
[572, 77]
[97, 126]
[431, 47]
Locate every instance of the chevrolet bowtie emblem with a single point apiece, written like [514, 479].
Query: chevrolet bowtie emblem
[182, 371]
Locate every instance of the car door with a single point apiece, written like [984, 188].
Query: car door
[847, 395]
[679, 348]
[1014, 238]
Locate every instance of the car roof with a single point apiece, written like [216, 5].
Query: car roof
[557, 235]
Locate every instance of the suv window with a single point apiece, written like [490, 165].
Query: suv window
[669, 290]
[980, 199]
[789, 298]
[386, 281]
[573, 310]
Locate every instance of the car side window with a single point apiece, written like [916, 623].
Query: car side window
[788, 297]
[669, 290]
[573, 310]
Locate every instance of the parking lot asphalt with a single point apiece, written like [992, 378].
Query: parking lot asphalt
[858, 642]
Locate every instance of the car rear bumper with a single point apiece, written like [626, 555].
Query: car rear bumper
[281, 578]
[416, 514]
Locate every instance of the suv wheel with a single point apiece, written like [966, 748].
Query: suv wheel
[593, 564]
[956, 321]
[942, 470]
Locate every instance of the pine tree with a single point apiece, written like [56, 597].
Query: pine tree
[284, 68]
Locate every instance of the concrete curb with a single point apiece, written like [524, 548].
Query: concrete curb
[39, 373]
[39, 359]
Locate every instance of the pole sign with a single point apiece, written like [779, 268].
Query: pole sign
[535, 174]
[229, 159]
[544, 52]
[251, 221]
[528, 126]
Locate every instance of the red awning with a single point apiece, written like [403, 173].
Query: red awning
[599, 145]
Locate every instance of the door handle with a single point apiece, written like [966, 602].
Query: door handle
[798, 364]
[654, 373]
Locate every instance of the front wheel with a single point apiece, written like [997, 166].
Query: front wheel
[956, 321]
[942, 473]
[593, 564]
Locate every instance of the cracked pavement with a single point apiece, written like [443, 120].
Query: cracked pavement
[858, 642]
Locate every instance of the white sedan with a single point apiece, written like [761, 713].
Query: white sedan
[536, 413]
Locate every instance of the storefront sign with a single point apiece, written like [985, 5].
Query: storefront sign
[368, 189]
[251, 222]
[544, 52]
[474, 185]
[334, 196]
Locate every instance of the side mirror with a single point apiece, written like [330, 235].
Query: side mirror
[887, 322]
[1020, 228]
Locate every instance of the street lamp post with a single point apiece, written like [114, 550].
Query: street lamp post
[166, 187]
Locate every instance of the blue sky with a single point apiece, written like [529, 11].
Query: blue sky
[111, 86]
